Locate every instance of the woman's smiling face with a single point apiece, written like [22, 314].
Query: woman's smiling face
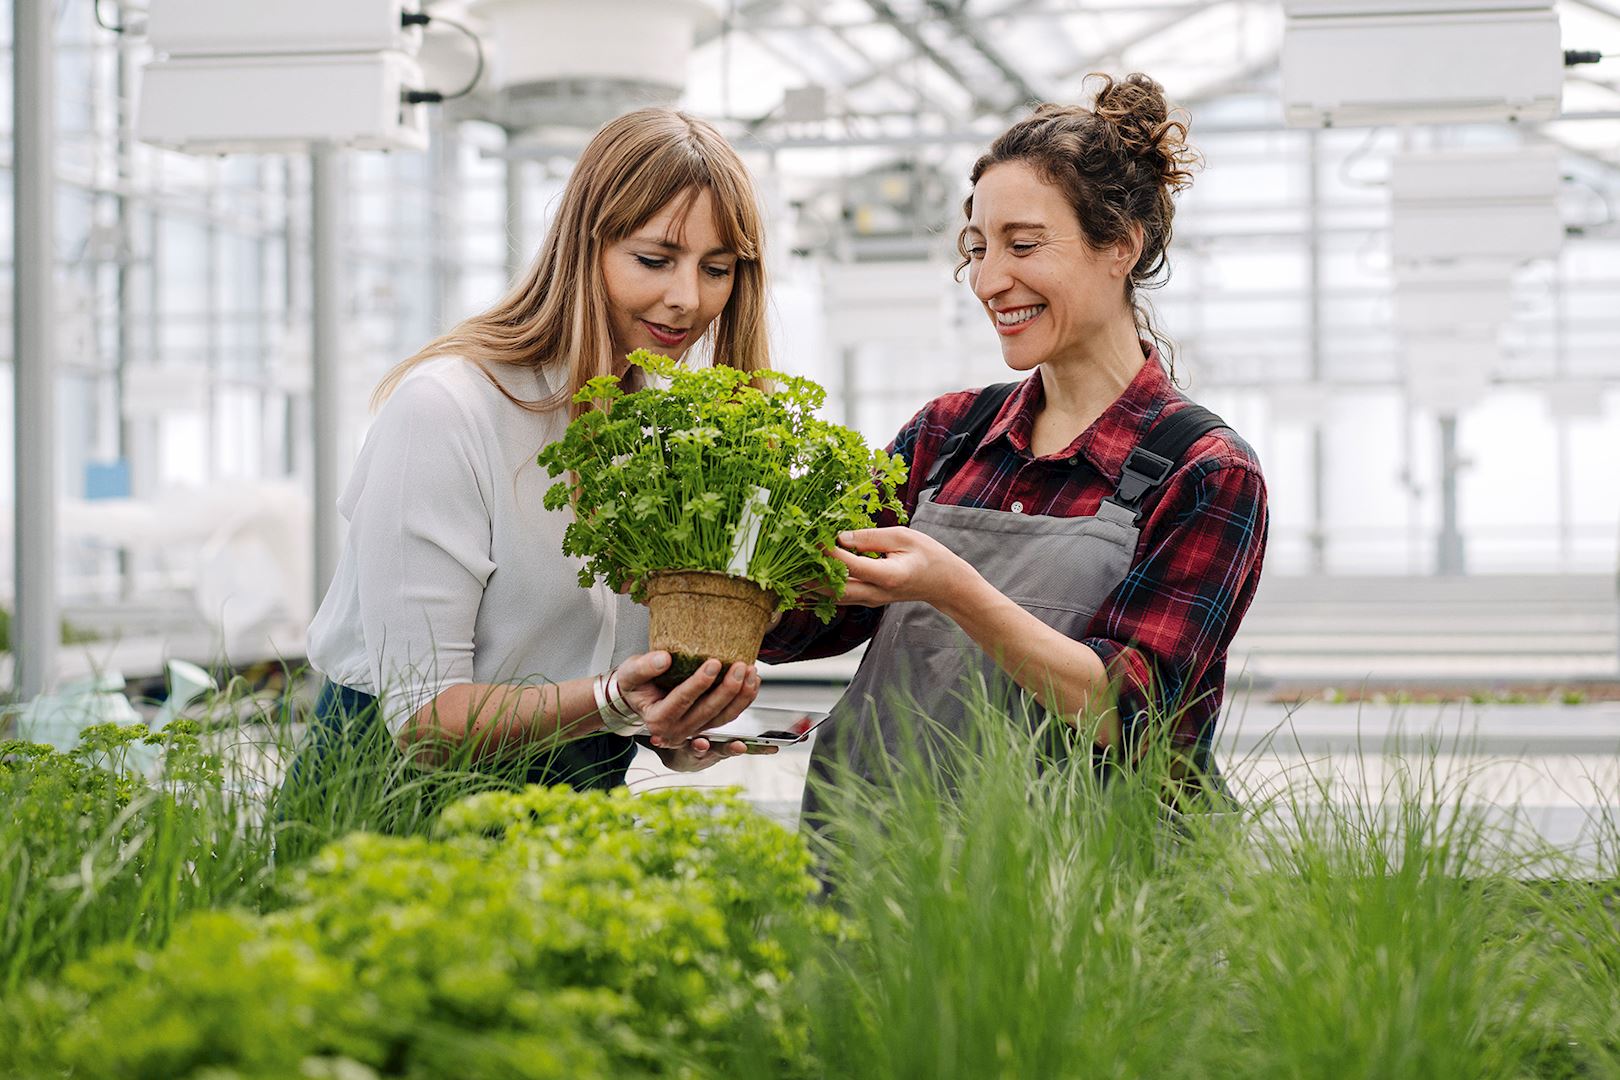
[669, 279]
[1042, 285]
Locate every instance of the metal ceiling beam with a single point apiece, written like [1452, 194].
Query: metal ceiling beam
[964, 28]
[1037, 8]
[1600, 7]
[1130, 41]
[969, 136]
[892, 19]
[732, 21]
[846, 39]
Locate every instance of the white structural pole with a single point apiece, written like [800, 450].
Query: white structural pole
[34, 632]
[1451, 560]
[1318, 534]
[517, 257]
[326, 308]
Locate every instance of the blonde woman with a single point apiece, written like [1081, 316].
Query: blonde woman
[453, 614]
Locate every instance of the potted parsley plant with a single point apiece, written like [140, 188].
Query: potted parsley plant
[714, 501]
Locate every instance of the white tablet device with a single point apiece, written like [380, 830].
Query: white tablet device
[763, 726]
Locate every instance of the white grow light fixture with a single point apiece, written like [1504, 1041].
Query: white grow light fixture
[245, 75]
[1474, 203]
[575, 64]
[1351, 62]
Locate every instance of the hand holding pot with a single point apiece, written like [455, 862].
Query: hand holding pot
[706, 699]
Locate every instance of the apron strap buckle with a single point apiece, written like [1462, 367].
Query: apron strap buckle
[1143, 471]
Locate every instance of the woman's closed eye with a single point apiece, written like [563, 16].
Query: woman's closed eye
[1022, 247]
[659, 262]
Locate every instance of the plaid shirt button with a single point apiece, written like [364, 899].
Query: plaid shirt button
[1017, 507]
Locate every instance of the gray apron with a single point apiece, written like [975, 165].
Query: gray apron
[1059, 569]
[920, 663]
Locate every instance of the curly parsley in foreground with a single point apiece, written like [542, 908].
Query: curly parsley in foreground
[660, 477]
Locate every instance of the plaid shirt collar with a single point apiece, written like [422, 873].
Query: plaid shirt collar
[1114, 434]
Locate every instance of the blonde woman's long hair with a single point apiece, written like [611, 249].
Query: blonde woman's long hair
[556, 316]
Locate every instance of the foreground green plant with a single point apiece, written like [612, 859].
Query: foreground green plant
[121, 836]
[539, 934]
[1014, 912]
[91, 851]
[659, 479]
[999, 908]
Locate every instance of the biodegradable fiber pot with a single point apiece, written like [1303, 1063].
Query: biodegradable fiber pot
[698, 614]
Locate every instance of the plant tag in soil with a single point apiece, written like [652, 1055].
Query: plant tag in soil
[746, 538]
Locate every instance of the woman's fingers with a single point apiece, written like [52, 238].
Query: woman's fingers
[880, 540]
[700, 753]
[683, 698]
[879, 572]
[722, 704]
[639, 670]
[703, 701]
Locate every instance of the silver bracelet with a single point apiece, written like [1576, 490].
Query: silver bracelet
[616, 714]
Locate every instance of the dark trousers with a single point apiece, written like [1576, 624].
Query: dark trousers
[348, 745]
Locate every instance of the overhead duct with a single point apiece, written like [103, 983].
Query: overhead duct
[1348, 62]
[242, 75]
[1476, 203]
[566, 64]
[1462, 222]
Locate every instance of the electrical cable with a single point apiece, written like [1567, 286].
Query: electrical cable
[95, 5]
[433, 97]
[1574, 57]
[1348, 163]
[1603, 199]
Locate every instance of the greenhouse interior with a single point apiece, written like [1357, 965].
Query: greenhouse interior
[428, 649]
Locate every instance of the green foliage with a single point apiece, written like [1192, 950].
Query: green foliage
[1000, 909]
[1012, 914]
[92, 852]
[659, 479]
[541, 933]
[70, 634]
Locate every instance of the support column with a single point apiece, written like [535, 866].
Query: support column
[517, 255]
[849, 371]
[1561, 426]
[124, 347]
[326, 308]
[35, 629]
[1318, 532]
[1451, 560]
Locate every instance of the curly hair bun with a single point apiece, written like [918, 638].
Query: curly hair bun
[1136, 109]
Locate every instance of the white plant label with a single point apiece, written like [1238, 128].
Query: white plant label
[746, 538]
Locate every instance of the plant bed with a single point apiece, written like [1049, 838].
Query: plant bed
[714, 501]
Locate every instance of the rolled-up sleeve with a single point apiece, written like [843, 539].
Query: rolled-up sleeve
[422, 522]
[1164, 631]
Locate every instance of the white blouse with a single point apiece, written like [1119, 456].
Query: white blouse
[452, 570]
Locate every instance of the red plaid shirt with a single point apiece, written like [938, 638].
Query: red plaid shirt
[1164, 631]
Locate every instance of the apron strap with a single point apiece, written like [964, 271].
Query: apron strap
[965, 436]
[1156, 456]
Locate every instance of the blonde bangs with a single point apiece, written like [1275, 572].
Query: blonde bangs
[556, 314]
